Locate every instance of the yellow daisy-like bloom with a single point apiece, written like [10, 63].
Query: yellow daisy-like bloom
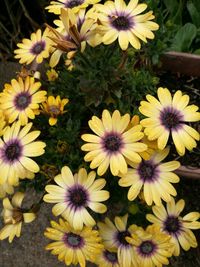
[177, 227]
[152, 247]
[2, 121]
[154, 177]
[6, 188]
[14, 216]
[168, 116]
[20, 100]
[16, 147]
[56, 6]
[152, 145]
[74, 194]
[125, 23]
[107, 259]
[52, 75]
[54, 107]
[36, 48]
[74, 31]
[114, 239]
[112, 144]
[71, 246]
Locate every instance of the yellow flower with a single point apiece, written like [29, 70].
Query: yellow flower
[74, 31]
[152, 145]
[20, 100]
[124, 22]
[112, 143]
[2, 121]
[173, 224]
[16, 147]
[168, 116]
[74, 194]
[14, 216]
[52, 75]
[71, 246]
[56, 6]
[36, 48]
[154, 177]
[152, 247]
[6, 188]
[114, 239]
[54, 107]
[107, 259]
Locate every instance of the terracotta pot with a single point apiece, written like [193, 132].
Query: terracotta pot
[185, 63]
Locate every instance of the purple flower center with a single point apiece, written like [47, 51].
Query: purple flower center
[172, 225]
[147, 247]
[73, 240]
[147, 171]
[54, 110]
[170, 118]
[73, 3]
[22, 101]
[121, 23]
[38, 48]
[112, 142]
[12, 151]
[110, 256]
[121, 237]
[77, 196]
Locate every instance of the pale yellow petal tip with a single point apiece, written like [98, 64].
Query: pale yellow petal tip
[29, 217]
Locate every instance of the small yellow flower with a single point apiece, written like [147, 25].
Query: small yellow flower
[74, 194]
[153, 177]
[152, 247]
[177, 227]
[52, 75]
[168, 116]
[71, 246]
[54, 107]
[125, 23]
[112, 143]
[36, 48]
[14, 216]
[20, 100]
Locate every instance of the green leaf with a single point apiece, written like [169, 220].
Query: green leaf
[194, 13]
[175, 9]
[184, 38]
[196, 4]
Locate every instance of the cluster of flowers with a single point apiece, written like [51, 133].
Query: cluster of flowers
[133, 150]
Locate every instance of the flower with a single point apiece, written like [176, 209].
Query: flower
[177, 227]
[107, 259]
[52, 75]
[152, 247]
[114, 239]
[6, 188]
[20, 99]
[14, 216]
[2, 121]
[74, 194]
[36, 48]
[54, 107]
[155, 178]
[73, 246]
[152, 145]
[123, 22]
[167, 117]
[112, 143]
[16, 147]
[56, 6]
[74, 31]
